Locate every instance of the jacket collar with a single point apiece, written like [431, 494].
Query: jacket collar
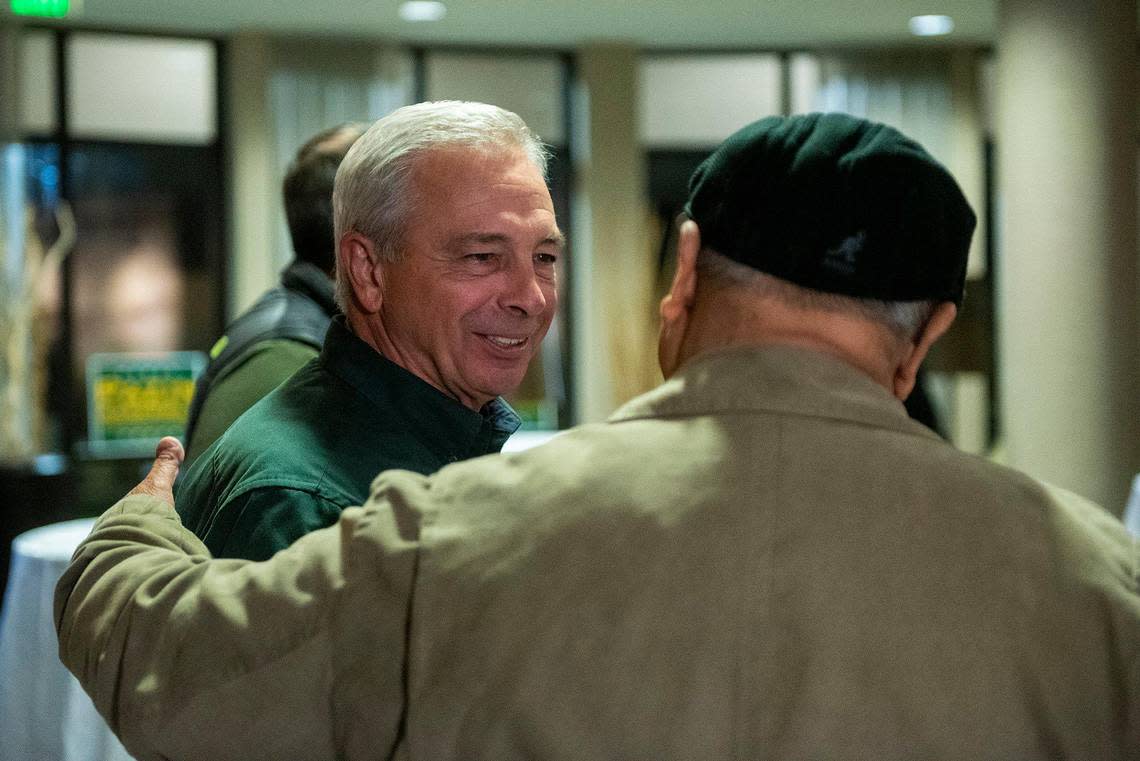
[308, 279]
[435, 416]
[778, 379]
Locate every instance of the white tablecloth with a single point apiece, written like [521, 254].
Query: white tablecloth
[527, 439]
[1132, 509]
[44, 713]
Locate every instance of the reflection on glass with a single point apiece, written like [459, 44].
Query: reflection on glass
[149, 237]
[32, 249]
[127, 286]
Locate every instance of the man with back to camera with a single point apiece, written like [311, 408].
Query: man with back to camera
[286, 327]
[762, 558]
[447, 248]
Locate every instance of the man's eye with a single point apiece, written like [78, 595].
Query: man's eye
[481, 257]
[546, 259]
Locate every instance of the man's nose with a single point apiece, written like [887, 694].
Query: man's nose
[523, 292]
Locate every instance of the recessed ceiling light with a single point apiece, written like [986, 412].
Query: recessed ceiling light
[931, 26]
[422, 10]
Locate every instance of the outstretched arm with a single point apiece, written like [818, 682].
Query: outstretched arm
[190, 657]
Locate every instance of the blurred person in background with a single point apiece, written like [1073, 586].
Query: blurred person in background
[286, 327]
[762, 558]
[447, 246]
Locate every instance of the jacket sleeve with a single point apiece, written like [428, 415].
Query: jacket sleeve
[260, 522]
[187, 657]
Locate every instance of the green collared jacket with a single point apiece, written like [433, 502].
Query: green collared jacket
[310, 448]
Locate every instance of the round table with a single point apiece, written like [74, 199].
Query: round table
[521, 440]
[44, 713]
[1132, 509]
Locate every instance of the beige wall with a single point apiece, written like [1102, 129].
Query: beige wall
[1067, 307]
[612, 264]
[253, 187]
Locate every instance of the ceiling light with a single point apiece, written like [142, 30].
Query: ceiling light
[931, 26]
[422, 10]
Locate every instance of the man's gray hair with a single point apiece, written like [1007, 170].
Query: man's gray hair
[372, 194]
[905, 319]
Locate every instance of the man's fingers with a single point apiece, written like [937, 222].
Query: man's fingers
[159, 482]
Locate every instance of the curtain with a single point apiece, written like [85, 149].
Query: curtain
[316, 86]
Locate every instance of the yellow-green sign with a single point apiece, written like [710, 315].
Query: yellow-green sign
[135, 399]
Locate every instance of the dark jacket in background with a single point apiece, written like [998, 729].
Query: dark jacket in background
[262, 347]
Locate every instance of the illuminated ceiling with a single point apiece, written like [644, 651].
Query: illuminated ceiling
[732, 24]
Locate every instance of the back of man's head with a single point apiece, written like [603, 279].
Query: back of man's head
[307, 190]
[835, 204]
[851, 229]
[902, 320]
[373, 195]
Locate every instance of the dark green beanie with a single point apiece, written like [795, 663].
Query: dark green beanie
[837, 204]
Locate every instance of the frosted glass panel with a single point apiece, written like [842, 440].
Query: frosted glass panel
[531, 86]
[911, 93]
[37, 83]
[805, 73]
[315, 88]
[145, 89]
[698, 100]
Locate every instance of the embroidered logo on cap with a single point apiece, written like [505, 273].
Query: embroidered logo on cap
[841, 259]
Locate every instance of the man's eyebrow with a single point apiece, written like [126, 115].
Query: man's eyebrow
[474, 239]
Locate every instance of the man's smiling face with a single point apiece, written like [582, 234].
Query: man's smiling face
[474, 291]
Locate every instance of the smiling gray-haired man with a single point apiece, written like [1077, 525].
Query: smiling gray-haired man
[446, 257]
[763, 558]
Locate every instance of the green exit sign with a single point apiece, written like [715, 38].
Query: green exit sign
[45, 8]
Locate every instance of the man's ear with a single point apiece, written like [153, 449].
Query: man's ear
[677, 305]
[356, 258]
[907, 371]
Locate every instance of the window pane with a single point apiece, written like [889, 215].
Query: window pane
[318, 86]
[29, 291]
[530, 85]
[38, 83]
[142, 89]
[144, 268]
[698, 100]
[909, 92]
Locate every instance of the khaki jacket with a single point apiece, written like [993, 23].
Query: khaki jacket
[762, 559]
